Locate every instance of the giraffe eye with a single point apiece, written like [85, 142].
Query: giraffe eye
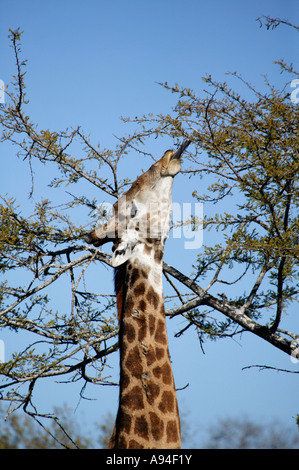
[133, 211]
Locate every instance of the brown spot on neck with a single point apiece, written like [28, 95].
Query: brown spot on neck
[152, 297]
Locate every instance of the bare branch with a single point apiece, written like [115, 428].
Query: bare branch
[274, 22]
[234, 314]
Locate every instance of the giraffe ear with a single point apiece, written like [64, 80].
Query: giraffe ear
[123, 252]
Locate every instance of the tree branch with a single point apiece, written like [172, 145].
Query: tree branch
[235, 314]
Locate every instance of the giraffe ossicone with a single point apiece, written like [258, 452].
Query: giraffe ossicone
[148, 415]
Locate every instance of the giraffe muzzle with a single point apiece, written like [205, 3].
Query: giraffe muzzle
[181, 149]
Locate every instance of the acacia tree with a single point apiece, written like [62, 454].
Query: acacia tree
[246, 147]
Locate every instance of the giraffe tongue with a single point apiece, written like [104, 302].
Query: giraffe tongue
[181, 149]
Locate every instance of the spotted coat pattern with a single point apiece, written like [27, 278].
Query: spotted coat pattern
[148, 415]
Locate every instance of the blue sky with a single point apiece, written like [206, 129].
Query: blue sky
[91, 63]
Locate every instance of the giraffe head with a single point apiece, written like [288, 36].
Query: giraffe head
[143, 212]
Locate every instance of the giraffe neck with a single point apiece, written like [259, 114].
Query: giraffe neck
[148, 412]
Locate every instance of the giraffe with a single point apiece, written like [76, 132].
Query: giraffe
[148, 416]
